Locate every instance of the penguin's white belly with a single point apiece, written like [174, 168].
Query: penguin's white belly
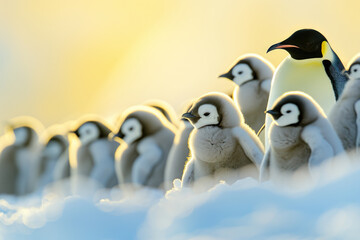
[213, 144]
[308, 76]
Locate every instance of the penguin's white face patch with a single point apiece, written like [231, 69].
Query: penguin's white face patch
[242, 73]
[53, 149]
[21, 136]
[290, 115]
[208, 116]
[355, 71]
[88, 133]
[132, 130]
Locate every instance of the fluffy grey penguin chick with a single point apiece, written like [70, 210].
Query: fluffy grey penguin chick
[147, 138]
[300, 138]
[19, 162]
[179, 153]
[54, 164]
[222, 146]
[252, 75]
[96, 155]
[345, 115]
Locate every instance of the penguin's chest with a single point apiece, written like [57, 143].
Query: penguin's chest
[289, 151]
[213, 144]
[308, 76]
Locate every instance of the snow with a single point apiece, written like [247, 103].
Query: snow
[244, 210]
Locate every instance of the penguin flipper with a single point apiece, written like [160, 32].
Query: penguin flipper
[149, 155]
[264, 168]
[357, 112]
[336, 75]
[188, 174]
[321, 150]
[266, 85]
[251, 144]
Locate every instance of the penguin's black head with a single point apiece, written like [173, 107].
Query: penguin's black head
[294, 109]
[57, 139]
[354, 70]
[303, 44]
[241, 72]
[90, 131]
[131, 130]
[204, 112]
[23, 136]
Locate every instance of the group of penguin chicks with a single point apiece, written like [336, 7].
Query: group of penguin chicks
[216, 138]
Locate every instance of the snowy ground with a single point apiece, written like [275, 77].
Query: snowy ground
[245, 210]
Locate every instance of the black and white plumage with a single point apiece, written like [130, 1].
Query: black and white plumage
[311, 67]
[345, 115]
[222, 146]
[19, 161]
[55, 163]
[95, 156]
[148, 137]
[252, 75]
[300, 138]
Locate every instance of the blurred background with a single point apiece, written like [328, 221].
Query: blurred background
[62, 59]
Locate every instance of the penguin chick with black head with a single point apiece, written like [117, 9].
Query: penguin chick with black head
[345, 115]
[311, 67]
[20, 161]
[55, 164]
[95, 156]
[222, 146]
[300, 138]
[148, 137]
[179, 152]
[252, 75]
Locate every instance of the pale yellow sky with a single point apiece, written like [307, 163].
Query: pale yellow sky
[60, 60]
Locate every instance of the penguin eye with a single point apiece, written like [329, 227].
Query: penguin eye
[131, 128]
[206, 114]
[288, 111]
[240, 72]
[355, 70]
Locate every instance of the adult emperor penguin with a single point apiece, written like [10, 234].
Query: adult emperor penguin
[95, 156]
[222, 146]
[301, 138]
[179, 152]
[147, 137]
[20, 160]
[252, 75]
[312, 67]
[55, 164]
[345, 115]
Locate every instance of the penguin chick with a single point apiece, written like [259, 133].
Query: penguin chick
[252, 75]
[311, 67]
[179, 153]
[166, 109]
[221, 144]
[301, 138]
[345, 115]
[54, 160]
[95, 156]
[148, 137]
[19, 161]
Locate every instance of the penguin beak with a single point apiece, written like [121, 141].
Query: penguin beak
[227, 75]
[75, 132]
[119, 135]
[281, 45]
[189, 116]
[274, 114]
